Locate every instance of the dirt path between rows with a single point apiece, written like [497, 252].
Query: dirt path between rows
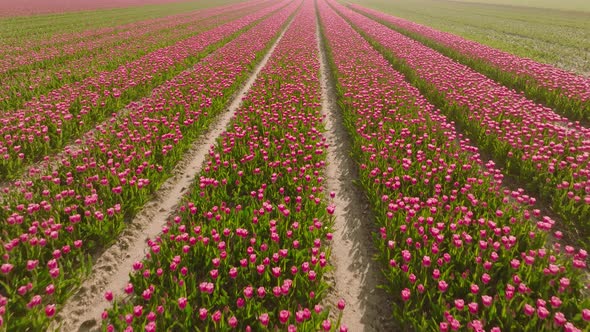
[82, 311]
[356, 275]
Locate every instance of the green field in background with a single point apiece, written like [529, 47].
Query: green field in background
[573, 5]
[561, 38]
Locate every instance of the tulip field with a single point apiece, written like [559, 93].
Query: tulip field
[473, 165]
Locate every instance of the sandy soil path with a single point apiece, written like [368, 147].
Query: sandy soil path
[356, 275]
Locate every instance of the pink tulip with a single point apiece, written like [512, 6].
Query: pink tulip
[182, 302]
[284, 316]
[264, 319]
[459, 304]
[542, 312]
[202, 313]
[6, 268]
[233, 322]
[405, 294]
[442, 286]
[216, 316]
[559, 319]
[50, 310]
[341, 304]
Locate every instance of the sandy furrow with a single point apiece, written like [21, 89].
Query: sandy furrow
[82, 311]
[356, 274]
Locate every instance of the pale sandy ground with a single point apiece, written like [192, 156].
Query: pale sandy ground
[356, 275]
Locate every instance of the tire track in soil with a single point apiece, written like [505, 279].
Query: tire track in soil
[356, 274]
[82, 311]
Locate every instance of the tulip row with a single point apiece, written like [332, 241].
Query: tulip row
[459, 252]
[55, 220]
[564, 91]
[536, 146]
[74, 62]
[247, 249]
[51, 121]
